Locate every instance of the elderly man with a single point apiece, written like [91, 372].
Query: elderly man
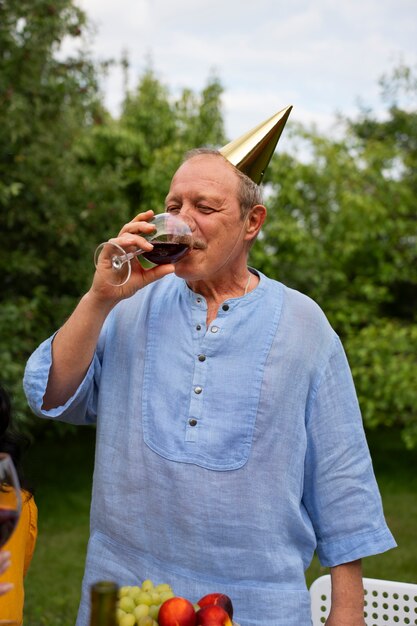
[229, 443]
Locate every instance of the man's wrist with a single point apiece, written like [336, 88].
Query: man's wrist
[345, 616]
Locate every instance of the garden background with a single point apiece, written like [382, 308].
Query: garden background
[342, 227]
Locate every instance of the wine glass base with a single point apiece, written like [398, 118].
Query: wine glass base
[107, 259]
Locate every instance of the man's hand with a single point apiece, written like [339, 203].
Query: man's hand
[130, 238]
[347, 595]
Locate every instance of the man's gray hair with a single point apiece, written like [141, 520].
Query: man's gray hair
[249, 192]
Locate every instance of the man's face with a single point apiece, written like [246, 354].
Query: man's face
[204, 191]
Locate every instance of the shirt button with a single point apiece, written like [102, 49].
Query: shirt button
[214, 329]
[201, 357]
[198, 300]
[198, 390]
[192, 422]
[225, 307]
[198, 327]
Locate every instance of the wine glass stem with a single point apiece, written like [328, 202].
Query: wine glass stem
[118, 260]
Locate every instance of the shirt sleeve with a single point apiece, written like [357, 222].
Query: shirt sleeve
[81, 408]
[340, 490]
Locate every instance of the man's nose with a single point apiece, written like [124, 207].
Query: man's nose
[186, 215]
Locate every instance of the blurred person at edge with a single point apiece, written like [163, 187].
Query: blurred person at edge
[230, 443]
[18, 551]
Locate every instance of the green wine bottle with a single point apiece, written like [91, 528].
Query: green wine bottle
[103, 604]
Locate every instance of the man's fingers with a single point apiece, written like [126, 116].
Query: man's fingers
[146, 216]
[155, 273]
[140, 223]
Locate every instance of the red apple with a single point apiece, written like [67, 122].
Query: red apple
[213, 615]
[177, 611]
[218, 599]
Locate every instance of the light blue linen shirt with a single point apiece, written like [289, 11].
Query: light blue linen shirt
[225, 455]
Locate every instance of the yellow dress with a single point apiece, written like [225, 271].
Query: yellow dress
[21, 545]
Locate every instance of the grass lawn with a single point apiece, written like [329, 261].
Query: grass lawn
[62, 473]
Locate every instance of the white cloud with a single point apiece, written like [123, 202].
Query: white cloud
[320, 56]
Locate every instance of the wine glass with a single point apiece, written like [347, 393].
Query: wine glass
[10, 499]
[171, 239]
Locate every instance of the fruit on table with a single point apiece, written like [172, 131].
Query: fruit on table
[218, 599]
[177, 611]
[138, 605]
[127, 604]
[146, 621]
[127, 620]
[213, 615]
[147, 604]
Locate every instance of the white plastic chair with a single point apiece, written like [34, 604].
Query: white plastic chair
[386, 602]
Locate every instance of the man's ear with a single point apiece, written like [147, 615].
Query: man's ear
[255, 220]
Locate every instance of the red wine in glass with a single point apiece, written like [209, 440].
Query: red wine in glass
[166, 252]
[171, 240]
[8, 521]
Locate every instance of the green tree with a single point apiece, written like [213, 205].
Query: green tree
[343, 229]
[48, 206]
[149, 140]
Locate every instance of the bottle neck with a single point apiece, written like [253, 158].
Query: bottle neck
[103, 604]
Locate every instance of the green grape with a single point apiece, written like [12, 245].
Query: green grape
[145, 621]
[124, 591]
[137, 598]
[163, 587]
[154, 597]
[127, 604]
[154, 610]
[134, 591]
[166, 595]
[119, 614]
[142, 610]
[147, 585]
[144, 597]
[127, 620]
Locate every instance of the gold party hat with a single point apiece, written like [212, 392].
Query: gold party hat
[252, 152]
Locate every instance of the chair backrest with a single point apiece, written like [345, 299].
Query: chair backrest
[386, 602]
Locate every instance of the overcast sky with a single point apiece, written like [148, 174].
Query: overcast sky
[322, 56]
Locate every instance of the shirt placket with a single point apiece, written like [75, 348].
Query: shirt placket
[204, 338]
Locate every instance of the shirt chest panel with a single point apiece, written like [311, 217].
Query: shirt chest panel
[202, 385]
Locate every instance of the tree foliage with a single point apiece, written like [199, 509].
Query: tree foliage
[343, 228]
[146, 144]
[44, 102]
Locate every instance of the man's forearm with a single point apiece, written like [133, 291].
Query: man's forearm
[73, 349]
[74, 345]
[347, 595]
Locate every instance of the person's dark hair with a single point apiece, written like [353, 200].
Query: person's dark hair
[250, 193]
[11, 441]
